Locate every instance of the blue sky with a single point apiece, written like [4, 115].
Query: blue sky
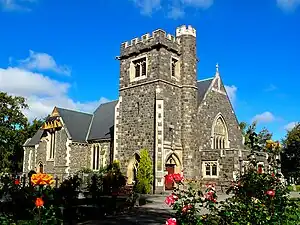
[63, 52]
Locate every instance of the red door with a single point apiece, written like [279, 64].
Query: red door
[171, 170]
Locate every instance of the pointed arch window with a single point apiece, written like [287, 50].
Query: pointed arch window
[220, 134]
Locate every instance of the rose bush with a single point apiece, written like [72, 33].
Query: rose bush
[259, 196]
[189, 202]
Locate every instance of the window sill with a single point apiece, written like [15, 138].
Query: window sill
[50, 160]
[174, 78]
[211, 177]
[139, 78]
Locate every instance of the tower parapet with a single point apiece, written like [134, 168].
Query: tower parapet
[146, 42]
[185, 30]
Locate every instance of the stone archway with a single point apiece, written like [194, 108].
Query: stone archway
[132, 169]
[173, 165]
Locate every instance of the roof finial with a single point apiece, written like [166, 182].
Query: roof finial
[217, 67]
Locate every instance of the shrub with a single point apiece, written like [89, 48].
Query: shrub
[258, 198]
[144, 173]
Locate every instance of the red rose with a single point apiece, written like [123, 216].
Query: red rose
[271, 193]
[171, 221]
[17, 181]
[169, 179]
[177, 177]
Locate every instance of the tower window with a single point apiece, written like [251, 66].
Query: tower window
[140, 67]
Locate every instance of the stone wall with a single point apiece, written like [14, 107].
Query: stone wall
[213, 104]
[79, 157]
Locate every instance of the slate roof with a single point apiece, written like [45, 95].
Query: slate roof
[35, 139]
[84, 126]
[77, 123]
[102, 122]
[203, 86]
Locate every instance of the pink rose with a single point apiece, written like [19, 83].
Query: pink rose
[271, 193]
[186, 208]
[171, 199]
[171, 221]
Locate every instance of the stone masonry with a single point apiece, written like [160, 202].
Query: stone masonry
[186, 124]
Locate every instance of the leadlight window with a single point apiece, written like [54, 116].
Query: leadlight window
[51, 145]
[96, 157]
[140, 67]
[220, 134]
[210, 168]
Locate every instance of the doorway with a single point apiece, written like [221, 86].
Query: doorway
[170, 168]
[41, 168]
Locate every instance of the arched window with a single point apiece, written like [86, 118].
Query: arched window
[220, 135]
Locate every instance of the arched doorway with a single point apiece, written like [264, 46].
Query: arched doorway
[41, 167]
[132, 169]
[173, 165]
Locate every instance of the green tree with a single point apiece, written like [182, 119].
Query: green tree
[254, 139]
[12, 130]
[291, 153]
[144, 173]
[15, 129]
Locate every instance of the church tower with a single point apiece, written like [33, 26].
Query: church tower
[157, 103]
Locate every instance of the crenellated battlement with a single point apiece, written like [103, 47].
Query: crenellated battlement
[146, 37]
[185, 30]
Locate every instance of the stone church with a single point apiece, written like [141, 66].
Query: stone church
[186, 124]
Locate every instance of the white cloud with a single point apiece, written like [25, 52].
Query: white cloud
[265, 117]
[43, 62]
[40, 107]
[177, 7]
[42, 93]
[176, 13]
[288, 5]
[231, 92]
[148, 6]
[290, 126]
[25, 83]
[199, 3]
[16, 5]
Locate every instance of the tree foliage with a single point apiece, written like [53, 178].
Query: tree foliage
[15, 129]
[291, 153]
[254, 139]
[144, 173]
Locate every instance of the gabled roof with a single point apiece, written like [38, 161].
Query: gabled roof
[35, 139]
[102, 121]
[77, 123]
[203, 86]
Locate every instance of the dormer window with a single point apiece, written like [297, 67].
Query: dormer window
[140, 67]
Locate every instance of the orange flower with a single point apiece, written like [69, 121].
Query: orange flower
[41, 179]
[39, 202]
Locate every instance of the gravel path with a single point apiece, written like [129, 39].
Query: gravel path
[153, 213]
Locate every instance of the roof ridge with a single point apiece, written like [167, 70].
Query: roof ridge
[77, 111]
[210, 78]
